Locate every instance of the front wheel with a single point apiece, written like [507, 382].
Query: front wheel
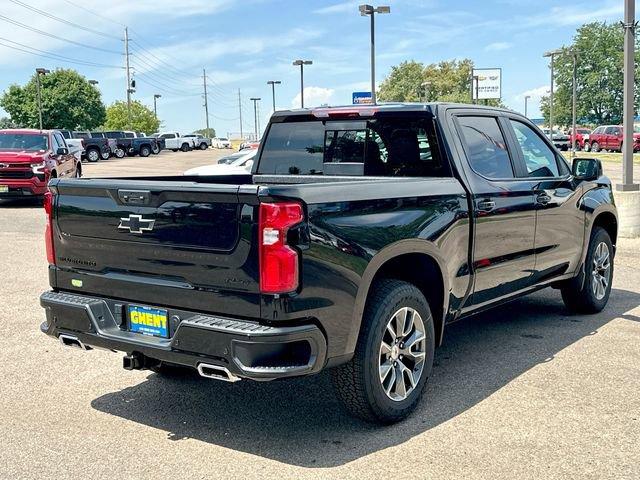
[105, 155]
[120, 153]
[93, 155]
[595, 147]
[145, 151]
[587, 147]
[383, 382]
[155, 150]
[185, 147]
[203, 146]
[592, 293]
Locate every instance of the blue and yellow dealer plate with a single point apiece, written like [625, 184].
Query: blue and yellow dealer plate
[148, 320]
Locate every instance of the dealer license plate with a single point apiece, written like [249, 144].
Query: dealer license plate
[148, 321]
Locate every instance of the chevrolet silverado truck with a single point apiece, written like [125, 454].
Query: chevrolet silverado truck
[201, 142]
[29, 158]
[175, 141]
[358, 236]
[95, 148]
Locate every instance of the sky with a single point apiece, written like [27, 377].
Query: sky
[244, 43]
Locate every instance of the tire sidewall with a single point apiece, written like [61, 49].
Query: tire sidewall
[379, 315]
[599, 235]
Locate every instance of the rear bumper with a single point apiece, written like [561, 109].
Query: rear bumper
[247, 349]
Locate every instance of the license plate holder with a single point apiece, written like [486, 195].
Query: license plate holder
[150, 321]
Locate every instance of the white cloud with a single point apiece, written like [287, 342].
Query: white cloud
[535, 94]
[313, 97]
[339, 8]
[497, 46]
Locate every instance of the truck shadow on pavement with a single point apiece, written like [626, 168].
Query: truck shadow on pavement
[299, 421]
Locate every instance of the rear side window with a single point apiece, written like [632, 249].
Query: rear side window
[486, 147]
[378, 147]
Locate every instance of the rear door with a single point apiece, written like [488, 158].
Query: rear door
[179, 244]
[503, 256]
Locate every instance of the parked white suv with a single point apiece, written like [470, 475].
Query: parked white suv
[175, 141]
[221, 142]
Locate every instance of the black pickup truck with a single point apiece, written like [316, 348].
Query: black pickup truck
[96, 148]
[359, 235]
[130, 143]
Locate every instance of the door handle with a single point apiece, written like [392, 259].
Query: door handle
[543, 199]
[486, 205]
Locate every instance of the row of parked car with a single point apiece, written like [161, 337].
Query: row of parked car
[100, 145]
[604, 137]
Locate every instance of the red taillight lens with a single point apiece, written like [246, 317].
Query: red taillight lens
[278, 261]
[48, 232]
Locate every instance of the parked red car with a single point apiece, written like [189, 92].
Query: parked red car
[609, 137]
[582, 135]
[29, 158]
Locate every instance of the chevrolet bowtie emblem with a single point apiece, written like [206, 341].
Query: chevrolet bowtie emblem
[136, 224]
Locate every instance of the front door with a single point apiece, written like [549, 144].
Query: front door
[503, 256]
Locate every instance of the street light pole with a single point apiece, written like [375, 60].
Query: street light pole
[574, 93]
[40, 71]
[371, 11]
[302, 63]
[273, 84]
[526, 100]
[255, 101]
[628, 100]
[156, 96]
[551, 55]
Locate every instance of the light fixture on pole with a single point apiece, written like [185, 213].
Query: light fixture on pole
[302, 63]
[552, 54]
[273, 84]
[40, 71]
[371, 11]
[255, 101]
[526, 101]
[156, 96]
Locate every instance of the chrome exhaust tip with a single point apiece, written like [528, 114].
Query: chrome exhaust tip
[216, 372]
[72, 341]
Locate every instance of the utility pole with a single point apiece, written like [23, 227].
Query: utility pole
[628, 100]
[573, 102]
[206, 99]
[126, 56]
[240, 111]
[255, 101]
[40, 71]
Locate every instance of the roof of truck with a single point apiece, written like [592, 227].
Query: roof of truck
[366, 110]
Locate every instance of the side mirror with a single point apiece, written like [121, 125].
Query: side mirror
[587, 169]
[62, 151]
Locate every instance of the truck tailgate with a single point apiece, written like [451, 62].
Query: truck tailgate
[181, 244]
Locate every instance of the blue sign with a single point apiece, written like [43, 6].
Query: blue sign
[362, 98]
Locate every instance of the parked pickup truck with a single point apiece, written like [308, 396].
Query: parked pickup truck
[95, 148]
[200, 142]
[359, 234]
[175, 141]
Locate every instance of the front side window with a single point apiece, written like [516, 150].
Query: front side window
[539, 158]
[486, 147]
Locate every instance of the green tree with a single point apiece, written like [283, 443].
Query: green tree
[447, 81]
[142, 117]
[599, 48]
[6, 122]
[207, 133]
[69, 101]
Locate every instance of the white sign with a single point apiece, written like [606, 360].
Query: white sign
[487, 83]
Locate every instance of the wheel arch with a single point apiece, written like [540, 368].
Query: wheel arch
[415, 261]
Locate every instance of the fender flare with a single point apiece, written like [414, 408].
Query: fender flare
[401, 247]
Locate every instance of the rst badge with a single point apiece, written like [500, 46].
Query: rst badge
[136, 224]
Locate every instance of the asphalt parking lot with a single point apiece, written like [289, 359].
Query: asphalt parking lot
[522, 391]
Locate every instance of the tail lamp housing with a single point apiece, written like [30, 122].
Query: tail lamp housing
[279, 262]
[49, 200]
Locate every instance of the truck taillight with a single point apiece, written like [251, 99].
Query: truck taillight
[48, 232]
[278, 261]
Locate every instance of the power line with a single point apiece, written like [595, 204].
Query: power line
[62, 20]
[153, 69]
[92, 12]
[51, 35]
[54, 56]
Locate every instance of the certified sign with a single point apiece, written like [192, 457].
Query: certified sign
[487, 83]
[362, 98]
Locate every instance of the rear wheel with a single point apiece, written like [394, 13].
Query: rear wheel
[145, 151]
[119, 153]
[93, 155]
[185, 147]
[105, 155]
[592, 294]
[587, 147]
[155, 150]
[203, 146]
[383, 382]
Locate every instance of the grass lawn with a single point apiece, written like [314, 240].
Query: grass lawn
[613, 157]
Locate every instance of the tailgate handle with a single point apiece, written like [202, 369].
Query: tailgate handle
[134, 197]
